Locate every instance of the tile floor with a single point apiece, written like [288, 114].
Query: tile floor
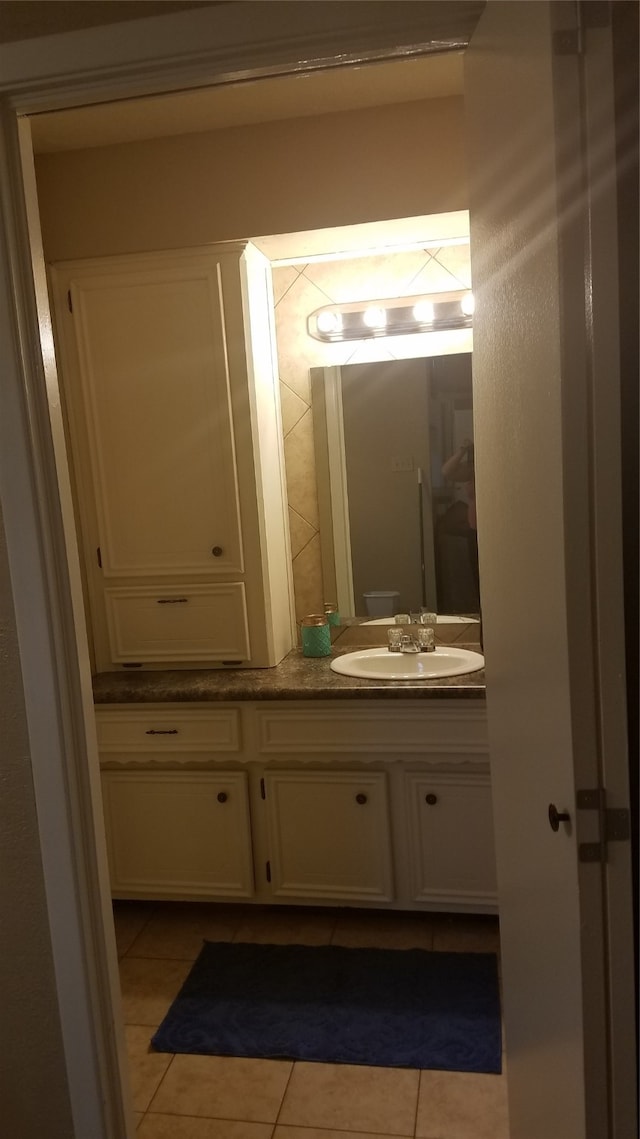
[218, 1097]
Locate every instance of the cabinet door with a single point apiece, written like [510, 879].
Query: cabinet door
[157, 412]
[178, 834]
[451, 832]
[329, 835]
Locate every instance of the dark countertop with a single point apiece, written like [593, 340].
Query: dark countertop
[295, 678]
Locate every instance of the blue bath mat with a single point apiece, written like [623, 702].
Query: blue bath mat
[384, 1007]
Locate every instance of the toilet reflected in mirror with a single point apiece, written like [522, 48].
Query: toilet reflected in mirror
[396, 487]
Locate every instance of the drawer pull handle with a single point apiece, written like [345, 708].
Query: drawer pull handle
[217, 551]
[431, 799]
[172, 600]
[161, 732]
[360, 798]
[222, 796]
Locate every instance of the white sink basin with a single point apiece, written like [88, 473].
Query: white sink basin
[380, 664]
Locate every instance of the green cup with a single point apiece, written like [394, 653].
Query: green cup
[316, 636]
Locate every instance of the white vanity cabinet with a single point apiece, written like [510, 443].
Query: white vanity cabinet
[381, 803]
[176, 802]
[171, 404]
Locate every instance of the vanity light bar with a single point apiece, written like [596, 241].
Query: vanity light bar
[398, 316]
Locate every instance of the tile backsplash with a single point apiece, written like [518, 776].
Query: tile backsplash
[298, 291]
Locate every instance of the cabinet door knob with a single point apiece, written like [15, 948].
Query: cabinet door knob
[431, 799]
[222, 796]
[217, 551]
[360, 798]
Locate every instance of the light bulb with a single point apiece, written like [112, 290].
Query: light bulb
[468, 304]
[328, 321]
[423, 311]
[375, 317]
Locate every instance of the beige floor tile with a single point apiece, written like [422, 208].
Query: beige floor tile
[466, 933]
[178, 930]
[287, 926]
[322, 1133]
[146, 1068]
[129, 919]
[188, 1127]
[384, 931]
[224, 1087]
[462, 1105]
[351, 1098]
[148, 988]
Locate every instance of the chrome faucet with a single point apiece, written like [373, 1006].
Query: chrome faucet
[423, 642]
[408, 644]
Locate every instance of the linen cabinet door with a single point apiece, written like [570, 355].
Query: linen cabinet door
[178, 834]
[329, 835]
[451, 834]
[157, 414]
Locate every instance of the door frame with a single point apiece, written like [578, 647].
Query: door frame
[201, 47]
[174, 52]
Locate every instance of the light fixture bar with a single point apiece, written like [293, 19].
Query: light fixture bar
[396, 316]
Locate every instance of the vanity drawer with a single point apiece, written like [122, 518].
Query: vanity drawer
[168, 730]
[190, 623]
[383, 728]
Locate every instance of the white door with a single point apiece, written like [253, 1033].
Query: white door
[541, 459]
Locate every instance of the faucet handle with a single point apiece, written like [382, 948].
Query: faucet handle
[426, 639]
[394, 638]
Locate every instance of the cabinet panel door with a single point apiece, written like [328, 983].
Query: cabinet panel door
[179, 834]
[157, 410]
[451, 828]
[329, 834]
[195, 622]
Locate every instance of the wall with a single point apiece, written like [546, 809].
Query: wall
[33, 1081]
[397, 161]
[301, 289]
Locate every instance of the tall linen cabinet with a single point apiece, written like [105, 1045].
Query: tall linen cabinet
[170, 391]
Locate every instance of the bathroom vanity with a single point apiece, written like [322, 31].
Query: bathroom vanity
[295, 785]
[247, 772]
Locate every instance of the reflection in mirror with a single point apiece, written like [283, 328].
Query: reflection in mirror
[394, 454]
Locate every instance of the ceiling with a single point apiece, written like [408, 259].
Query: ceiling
[251, 101]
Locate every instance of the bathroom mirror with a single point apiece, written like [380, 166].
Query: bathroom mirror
[395, 486]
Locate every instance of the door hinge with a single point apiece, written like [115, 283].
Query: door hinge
[99, 556]
[268, 871]
[263, 793]
[69, 301]
[614, 824]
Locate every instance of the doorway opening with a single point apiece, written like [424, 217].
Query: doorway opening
[393, 239]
